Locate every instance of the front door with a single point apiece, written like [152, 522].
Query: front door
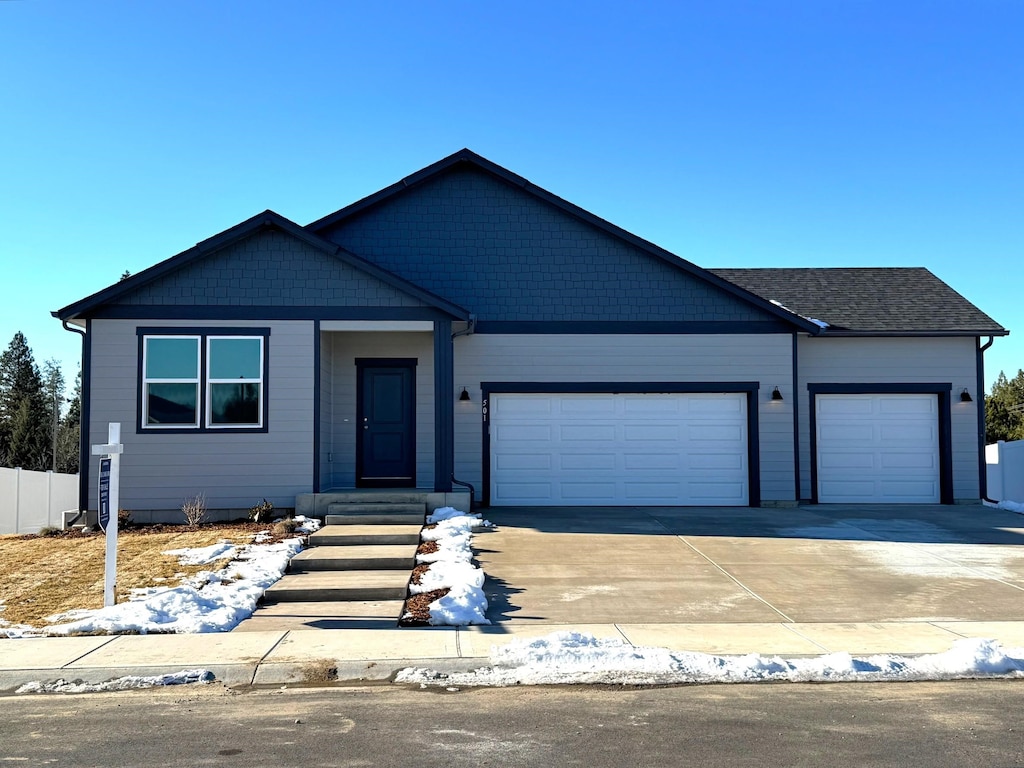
[386, 429]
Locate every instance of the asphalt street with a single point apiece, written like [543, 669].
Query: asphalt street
[966, 723]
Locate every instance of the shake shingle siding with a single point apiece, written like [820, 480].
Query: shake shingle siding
[507, 256]
[270, 269]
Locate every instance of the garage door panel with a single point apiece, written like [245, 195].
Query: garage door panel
[855, 405]
[520, 461]
[712, 461]
[906, 406]
[888, 452]
[728, 433]
[587, 432]
[844, 431]
[523, 433]
[910, 461]
[588, 407]
[837, 460]
[641, 462]
[654, 449]
[917, 434]
[908, 490]
[649, 405]
[585, 461]
[715, 405]
[650, 432]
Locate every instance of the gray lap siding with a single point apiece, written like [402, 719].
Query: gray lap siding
[582, 358]
[232, 470]
[898, 361]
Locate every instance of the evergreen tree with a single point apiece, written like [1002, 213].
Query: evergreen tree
[23, 414]
[70, 430]
[53, 396]
[1004, 409]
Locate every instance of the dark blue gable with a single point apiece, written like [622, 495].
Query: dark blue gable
[269, 269]
[508, 256]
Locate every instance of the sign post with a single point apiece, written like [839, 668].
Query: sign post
[109, 493]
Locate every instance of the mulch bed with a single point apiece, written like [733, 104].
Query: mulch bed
[133, 529]
[417, 607]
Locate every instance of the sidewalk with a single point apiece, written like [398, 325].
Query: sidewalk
[309, 657]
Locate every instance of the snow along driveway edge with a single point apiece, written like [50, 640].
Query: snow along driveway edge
[573, 658]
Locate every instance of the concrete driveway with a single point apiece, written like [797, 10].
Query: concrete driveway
[828, 564]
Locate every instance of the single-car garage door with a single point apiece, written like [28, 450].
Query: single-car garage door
[618, 449]
[877, 448]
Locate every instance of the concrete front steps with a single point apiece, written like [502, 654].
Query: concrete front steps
[355, 572]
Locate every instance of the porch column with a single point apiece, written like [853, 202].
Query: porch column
[444, 406]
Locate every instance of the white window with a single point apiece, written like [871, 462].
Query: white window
[234, 381]
[221, 389]
[170, 390]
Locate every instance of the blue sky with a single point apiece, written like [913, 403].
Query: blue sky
[734, 134]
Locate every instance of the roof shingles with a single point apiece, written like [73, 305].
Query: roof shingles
[868, 299]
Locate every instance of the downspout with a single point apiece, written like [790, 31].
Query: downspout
[982, 464]
[83, 458]
[468, 330]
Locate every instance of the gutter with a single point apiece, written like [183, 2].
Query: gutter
[83, 433]
[982, 464]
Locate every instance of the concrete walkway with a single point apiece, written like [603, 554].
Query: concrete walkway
[787, 582]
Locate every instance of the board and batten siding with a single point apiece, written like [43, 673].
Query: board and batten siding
[897, 361]
[579, 358]
[338, 356]
[233, 470]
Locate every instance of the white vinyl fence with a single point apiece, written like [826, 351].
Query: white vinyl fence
[30, 500]
[1005, 463]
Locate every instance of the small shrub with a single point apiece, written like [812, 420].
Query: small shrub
[124, 518]
[285, 527]
[49, 531]
[194, 510]
[260, 513]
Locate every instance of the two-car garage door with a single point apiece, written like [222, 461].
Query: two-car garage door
[635, 449]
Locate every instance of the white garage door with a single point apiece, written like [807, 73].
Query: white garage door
[619, 449]
[878, 448]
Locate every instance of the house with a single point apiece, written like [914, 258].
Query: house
[464, 327]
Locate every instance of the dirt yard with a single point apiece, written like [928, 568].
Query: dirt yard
[41, 576]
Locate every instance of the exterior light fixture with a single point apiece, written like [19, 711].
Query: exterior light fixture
[965, 396]
[464, 397]
[776, 395]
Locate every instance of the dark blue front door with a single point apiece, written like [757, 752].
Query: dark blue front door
[386, 431]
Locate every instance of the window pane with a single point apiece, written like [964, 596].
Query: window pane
[171, 404]
[172, 358]
[235, 358]
[235, 404]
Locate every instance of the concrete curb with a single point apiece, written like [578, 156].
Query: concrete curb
[324, 657]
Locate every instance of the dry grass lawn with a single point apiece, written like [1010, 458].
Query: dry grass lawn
[41, 576]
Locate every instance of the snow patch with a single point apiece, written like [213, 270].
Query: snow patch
[451, 568]
[1009, 506]
[185, 677]
[579, 658]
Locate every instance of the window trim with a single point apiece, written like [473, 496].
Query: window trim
[203, 334]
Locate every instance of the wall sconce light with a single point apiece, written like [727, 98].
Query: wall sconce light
[776, 395]
[464, 397]
[965, 396]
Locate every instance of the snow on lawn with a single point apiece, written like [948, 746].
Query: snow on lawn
[577, 658]
[451, 568]
[210, 601]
